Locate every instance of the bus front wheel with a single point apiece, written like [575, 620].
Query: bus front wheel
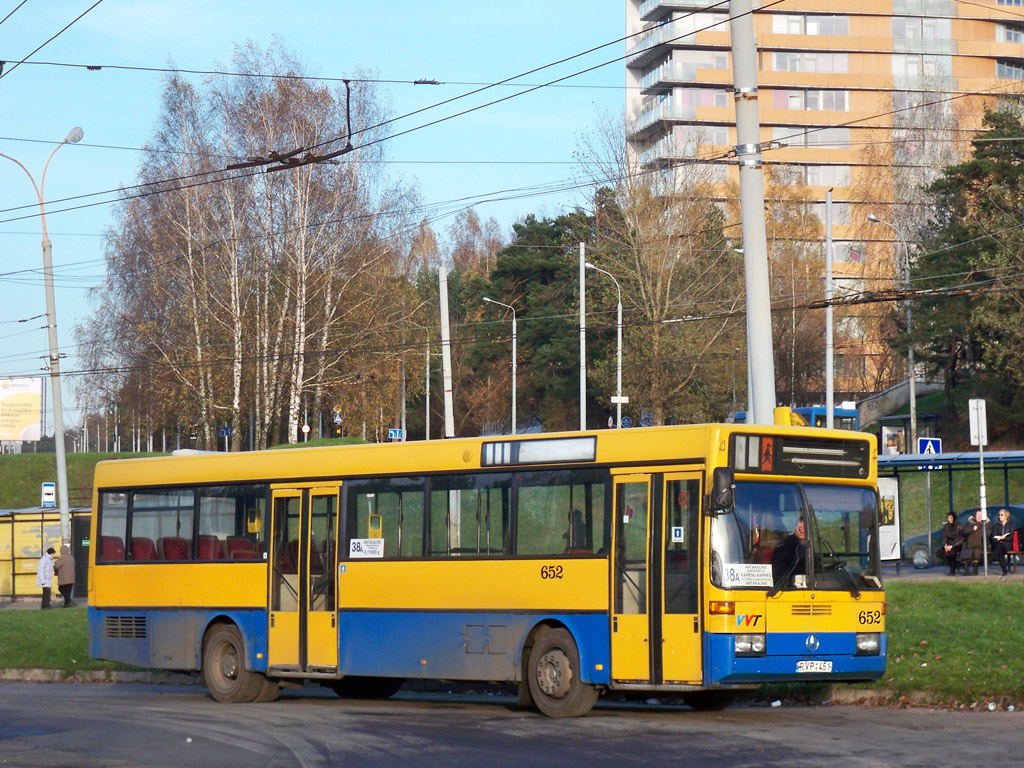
[553, 672]
[224, 670]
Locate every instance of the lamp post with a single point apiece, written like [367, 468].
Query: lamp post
[509, 306]
[910, 345]
[74, 136]
[618, 340]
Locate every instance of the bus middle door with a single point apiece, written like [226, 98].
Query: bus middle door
[303, 634]
[631, 628]
[656, 631]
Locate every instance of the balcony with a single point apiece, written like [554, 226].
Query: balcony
[923, 8]
[947, 47]
[680, 34]
[671, 74]
[661, 113]
[653, 9]
[666, 150]
[938, 83]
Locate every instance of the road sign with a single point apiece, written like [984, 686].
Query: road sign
[337, 418]
[225, 431]
[627, 422]
[979, 422]
[49, 495]
[394, 434]
[620, 399]
[929, 445]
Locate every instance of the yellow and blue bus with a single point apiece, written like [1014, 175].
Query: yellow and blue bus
[643, 560]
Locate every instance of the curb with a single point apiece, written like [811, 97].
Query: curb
[95, 676]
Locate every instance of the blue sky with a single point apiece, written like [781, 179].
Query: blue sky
[524, 142]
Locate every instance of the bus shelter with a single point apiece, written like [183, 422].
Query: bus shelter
[24, 536]
[928, 486]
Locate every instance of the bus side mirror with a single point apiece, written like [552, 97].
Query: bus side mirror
[723, 491]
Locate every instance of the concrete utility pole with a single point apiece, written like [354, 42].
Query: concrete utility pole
[446, 356]
[760, 350]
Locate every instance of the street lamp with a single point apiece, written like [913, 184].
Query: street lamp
[73, 137]
[910, 345]
[618, 338]
[509, 306]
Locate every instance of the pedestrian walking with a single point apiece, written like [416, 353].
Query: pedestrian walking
[65, 571]
[44, 575]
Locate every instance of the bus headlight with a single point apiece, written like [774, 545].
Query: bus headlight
[868, 643]
[749, 645]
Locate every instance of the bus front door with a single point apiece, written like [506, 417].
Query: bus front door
[303, 633]
[656, 631]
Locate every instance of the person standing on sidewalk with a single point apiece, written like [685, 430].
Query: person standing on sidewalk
[44, 575]
[65, 570]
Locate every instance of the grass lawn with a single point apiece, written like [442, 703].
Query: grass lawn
[956, 640]
[54, 639]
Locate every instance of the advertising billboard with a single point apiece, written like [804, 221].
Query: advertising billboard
[21, 405]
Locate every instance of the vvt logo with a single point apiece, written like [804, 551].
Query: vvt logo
[747, 619]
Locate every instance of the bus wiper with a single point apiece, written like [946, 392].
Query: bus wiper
[840, 565]
[784, 578]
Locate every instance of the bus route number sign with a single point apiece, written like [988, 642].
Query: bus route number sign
[368, 548]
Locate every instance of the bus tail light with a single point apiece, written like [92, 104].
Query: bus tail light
[722, 607]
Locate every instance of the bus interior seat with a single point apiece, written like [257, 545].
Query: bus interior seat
[111, 548]
[174, 548]
[234, 544]
[763, 553]
[288, 560]
[676, 561]
[210, 548]
[143, 549]
[245, 554]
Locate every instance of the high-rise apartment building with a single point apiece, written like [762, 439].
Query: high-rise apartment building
[866, 97]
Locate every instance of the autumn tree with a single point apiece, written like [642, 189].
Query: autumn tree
[252, 291]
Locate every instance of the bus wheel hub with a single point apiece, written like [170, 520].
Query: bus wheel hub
[554, 674]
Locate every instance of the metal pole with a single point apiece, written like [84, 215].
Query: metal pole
[618, 348]
[509, 306]
[583, 338]
[911, 383]
[514, 422]
[426, 398]
[830, 350]
[755, 243]
[75, 135]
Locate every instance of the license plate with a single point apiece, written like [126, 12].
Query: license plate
[814, 666]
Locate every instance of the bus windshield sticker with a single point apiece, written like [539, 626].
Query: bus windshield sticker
[375, 548]
[748, 575]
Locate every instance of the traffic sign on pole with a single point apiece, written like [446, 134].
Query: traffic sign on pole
[979, 421]
[929, 445]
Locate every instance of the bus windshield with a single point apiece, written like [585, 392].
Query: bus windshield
[759, 544]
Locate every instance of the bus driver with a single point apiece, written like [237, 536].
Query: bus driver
[788, 557]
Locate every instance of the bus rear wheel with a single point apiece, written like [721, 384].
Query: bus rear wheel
[553, 673]
[224, 670]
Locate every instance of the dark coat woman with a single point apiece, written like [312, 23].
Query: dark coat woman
[952, 541]
[974, 541]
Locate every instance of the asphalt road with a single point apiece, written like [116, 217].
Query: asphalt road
[43, 725]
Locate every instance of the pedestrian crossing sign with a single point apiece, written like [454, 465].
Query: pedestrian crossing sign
[929, 445]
